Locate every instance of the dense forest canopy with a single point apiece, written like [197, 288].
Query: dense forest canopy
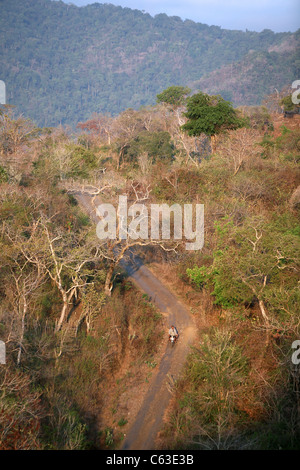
[61, 62]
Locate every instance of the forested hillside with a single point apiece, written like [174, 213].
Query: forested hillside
[61, 63]
[83, 344]
[246, 81]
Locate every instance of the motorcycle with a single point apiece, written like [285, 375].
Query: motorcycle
[172, 340]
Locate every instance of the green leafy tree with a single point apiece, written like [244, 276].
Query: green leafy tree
[174, 96]
[157, 145]
[255, 262]
[210, 115]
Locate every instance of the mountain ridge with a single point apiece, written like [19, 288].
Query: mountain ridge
[62, 62]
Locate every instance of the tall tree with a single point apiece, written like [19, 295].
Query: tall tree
[210, 115]
[175, 96]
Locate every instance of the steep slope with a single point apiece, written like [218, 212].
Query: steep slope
[247, 82]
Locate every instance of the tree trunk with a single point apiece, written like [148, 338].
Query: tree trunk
[263, 312]
[213, 143]
[22, 329]
[63, 312]
[108, 281]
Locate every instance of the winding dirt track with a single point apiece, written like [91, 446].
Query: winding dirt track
[143, 432]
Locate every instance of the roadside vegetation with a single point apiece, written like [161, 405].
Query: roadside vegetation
[82, 342]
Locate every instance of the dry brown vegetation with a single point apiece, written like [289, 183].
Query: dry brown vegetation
[80, 361]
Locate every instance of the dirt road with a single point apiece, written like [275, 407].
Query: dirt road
[143, 432]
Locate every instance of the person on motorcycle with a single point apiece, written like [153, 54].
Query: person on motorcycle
[173, 332]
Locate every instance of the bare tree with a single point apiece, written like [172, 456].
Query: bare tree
[239, 147]
[15, 132]
[20, 416]
[70, 266]
[100, 127]
[115, 249]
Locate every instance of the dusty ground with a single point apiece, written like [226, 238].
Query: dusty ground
[142, 433]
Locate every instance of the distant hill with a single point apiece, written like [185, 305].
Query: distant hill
[61, 62]
[246, 82]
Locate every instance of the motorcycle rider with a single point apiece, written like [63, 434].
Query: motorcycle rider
[173, 332]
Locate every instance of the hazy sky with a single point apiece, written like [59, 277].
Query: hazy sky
[255, 15]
